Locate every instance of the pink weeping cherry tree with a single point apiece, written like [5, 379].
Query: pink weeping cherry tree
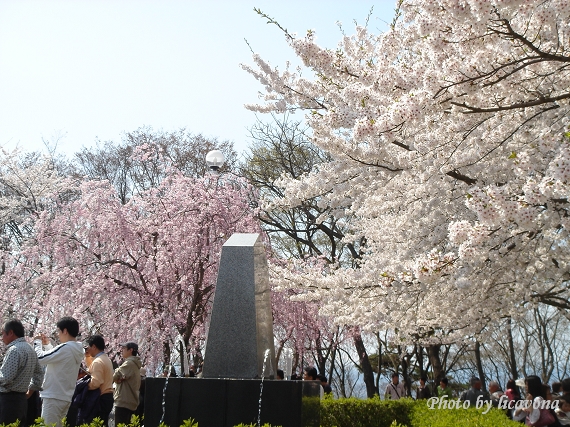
[143, 271]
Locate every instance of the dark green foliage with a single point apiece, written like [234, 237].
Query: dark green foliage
[254, 425]
[310, 413]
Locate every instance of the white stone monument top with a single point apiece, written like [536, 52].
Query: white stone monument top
[242, 239]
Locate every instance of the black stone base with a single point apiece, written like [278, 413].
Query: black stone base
[229, 402]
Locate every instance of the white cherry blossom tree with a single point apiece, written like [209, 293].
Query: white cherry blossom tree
[29, 184]
[447, 134]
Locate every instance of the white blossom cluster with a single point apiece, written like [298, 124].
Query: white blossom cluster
[448, 140]
[28, 185]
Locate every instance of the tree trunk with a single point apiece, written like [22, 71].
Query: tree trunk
[513, 360]
[321, 359]
[332, 365]
[435, 360]
[420, 359]
[377, 383]
[405, 361]
[182, 358]
[365, 365]
[295, 365]
[166, 353]
[479, 364]
[342, 379]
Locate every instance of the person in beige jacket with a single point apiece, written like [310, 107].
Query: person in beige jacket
[101, 370]
[127, 378]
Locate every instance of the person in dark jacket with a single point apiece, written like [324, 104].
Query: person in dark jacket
[87, 401]
[423, 391]
[327, 389]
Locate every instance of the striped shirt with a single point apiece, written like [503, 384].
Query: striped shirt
[20, 370]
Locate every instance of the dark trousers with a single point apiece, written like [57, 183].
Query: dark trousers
[105, 407]
[13, 406]
[122, 416]
[34, 409]
[71, 416]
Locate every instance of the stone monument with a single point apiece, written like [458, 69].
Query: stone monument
[241, 324]
[231, 390]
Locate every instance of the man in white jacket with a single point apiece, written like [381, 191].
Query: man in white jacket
[62, 366]
[395, 390]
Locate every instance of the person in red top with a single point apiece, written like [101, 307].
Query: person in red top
[513, 394]
[513, 391]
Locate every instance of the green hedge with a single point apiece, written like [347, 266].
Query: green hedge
[370, 412]
[406, 413]
[378, 413]
[422, 416]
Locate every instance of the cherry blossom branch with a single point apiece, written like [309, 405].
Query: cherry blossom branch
[273, 21]
[518, 105]
[512, 34]
[461, 177]
[376, 165]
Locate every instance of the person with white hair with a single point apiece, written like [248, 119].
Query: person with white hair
[496, 393]
[474, 393]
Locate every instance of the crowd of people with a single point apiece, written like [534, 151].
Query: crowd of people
[528, 401]
[72, 380]
[77, 381]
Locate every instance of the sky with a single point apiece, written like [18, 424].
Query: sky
[79, 71]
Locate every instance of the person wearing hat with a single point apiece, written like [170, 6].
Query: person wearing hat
[127, 378]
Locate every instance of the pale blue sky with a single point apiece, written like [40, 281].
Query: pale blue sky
[95, 69]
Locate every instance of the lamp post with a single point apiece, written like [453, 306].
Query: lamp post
[215, 160]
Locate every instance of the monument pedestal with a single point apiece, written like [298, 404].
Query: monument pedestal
[229, 402]
[241, 325]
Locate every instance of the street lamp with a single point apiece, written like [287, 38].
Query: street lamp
[215, 160]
